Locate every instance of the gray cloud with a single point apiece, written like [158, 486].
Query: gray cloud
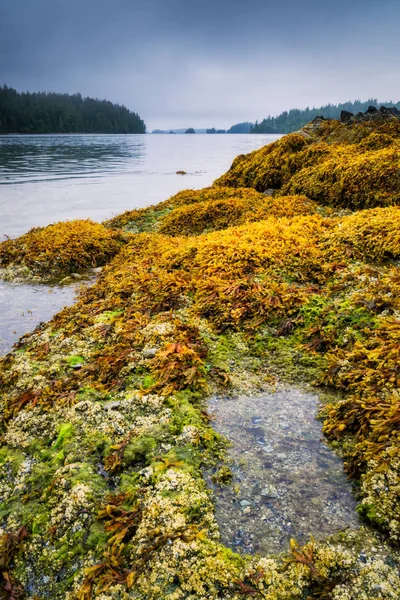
[200, 63]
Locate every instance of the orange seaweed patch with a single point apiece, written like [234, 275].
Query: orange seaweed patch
[62, 248]
[214, 215]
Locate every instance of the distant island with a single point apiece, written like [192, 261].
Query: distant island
[43, 112]
[245, 127]
[295, 119]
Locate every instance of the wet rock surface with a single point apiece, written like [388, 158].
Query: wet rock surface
[286, 482]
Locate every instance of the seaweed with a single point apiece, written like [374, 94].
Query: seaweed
[104, 422]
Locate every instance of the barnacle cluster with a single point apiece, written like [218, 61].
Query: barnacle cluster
[104, 423]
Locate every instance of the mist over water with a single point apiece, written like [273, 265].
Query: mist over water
[49, 178]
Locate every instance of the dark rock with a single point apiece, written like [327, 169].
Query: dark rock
[389, 111]
[345, 116]
[371, 109]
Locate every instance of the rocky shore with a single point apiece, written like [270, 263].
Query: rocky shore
[286, 269]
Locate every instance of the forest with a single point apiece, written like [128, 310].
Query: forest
[294, 119]
[44, 112]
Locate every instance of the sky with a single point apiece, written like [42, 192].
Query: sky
[203, 63]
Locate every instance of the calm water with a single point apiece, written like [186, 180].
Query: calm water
[48, 178]
[287, 483]
[23, 307]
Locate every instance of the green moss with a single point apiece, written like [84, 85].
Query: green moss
[75, 360]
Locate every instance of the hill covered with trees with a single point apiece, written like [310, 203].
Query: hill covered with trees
[44, 112]
[241, 128]
[294, 119]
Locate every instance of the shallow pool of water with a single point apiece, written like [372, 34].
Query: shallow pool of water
[23, 307]
[287, 483]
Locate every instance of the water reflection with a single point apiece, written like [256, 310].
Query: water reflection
[287, 482]
[48, 157]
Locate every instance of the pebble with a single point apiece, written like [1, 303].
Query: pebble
[270, 491]
[113, 405]
[149, 352]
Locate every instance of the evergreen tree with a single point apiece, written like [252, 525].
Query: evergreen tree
[63, 113]
[294, 119]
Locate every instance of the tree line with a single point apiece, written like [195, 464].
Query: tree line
[44, 112]
[296, 118]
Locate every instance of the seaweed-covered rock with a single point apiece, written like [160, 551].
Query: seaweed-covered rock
[148, 219]
[104, 424]
[52, 252]
[352, 164]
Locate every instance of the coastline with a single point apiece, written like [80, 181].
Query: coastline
[225, 289]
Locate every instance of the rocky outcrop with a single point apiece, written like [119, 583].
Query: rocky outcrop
[372, 113]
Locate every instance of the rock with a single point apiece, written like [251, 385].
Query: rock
[269, 192]
[372, 113]
[77, 276]
[363, 558]
[97, 269]
[149, 352]
[268, 448]
[113, 405]
[318, 119]
[270, 491]
[389, 111]
[244, 503]
[346, 116]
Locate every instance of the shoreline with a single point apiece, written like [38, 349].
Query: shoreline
[220, 290]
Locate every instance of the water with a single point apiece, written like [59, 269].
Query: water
[287, 483]
[23, 307]
[48, 178]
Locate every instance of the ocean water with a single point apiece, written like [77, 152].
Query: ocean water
[50, 178]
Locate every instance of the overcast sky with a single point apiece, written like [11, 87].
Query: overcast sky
[203, 63]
